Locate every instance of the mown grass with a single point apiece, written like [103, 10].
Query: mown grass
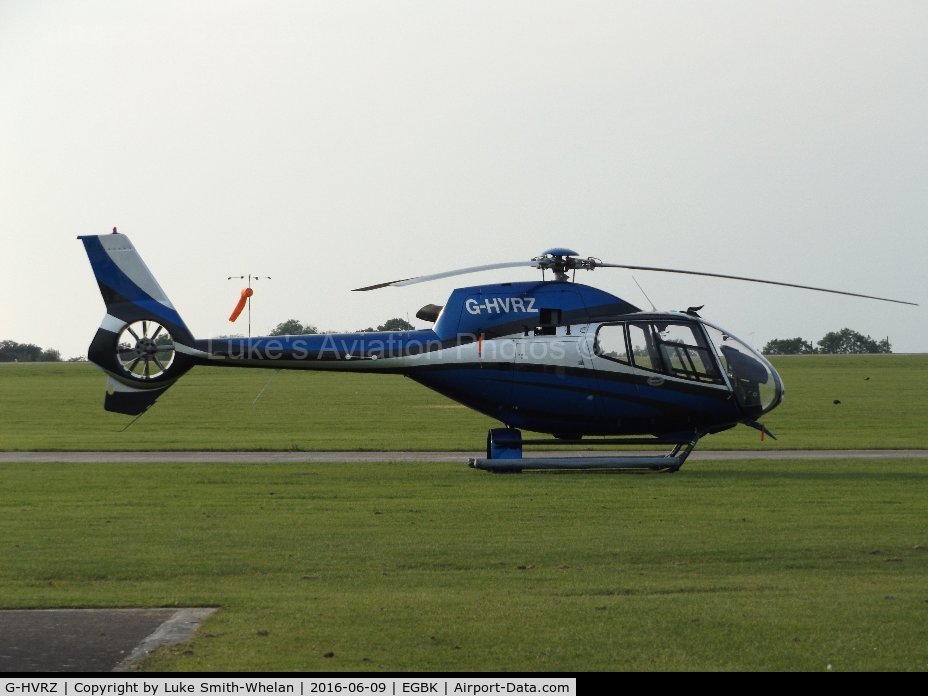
[59, 407]
[725, 566]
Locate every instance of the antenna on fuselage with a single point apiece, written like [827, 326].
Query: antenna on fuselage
[653, 308]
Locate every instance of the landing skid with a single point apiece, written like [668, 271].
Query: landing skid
[504, 454]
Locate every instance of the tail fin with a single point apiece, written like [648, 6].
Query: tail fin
[142, 344]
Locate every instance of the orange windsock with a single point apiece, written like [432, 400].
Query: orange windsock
[246, 293]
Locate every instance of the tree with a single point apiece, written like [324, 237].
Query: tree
[395, 324]
[50, 355]
[847, 341]
[788, 346]
[293, 327]
[11, 351]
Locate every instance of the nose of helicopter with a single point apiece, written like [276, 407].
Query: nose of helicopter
[773, 394]
[755, 383]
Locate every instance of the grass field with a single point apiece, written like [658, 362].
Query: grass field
[60, 407]
[734, 566]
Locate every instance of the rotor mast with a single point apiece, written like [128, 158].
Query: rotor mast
[558, 261]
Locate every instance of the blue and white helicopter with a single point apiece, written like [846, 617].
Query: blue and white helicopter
[550, 356]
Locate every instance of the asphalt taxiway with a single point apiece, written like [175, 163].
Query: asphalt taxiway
[89, 640]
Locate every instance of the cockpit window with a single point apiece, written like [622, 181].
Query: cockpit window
[644, 352]
[673, 348]
[695, 351]
[610, 342]
[685, 351]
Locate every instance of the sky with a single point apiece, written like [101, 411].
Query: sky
[333, 145]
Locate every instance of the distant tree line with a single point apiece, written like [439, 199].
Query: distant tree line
[395, 324]
[294, 327]
[840, 342]
[11, 351]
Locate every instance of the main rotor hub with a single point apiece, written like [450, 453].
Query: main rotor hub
[560, 260]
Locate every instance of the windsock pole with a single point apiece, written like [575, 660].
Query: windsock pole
[245, 299]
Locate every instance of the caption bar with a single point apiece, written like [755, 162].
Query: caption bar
[297, 686]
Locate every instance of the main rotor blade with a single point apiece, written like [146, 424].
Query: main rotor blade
[750, 280]
[447, 274]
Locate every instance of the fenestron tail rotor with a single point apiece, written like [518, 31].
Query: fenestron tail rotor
[145, 350]
[561, 261]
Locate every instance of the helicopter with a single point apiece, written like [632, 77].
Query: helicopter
[550, 356]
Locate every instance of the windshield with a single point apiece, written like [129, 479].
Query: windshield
[756, 384]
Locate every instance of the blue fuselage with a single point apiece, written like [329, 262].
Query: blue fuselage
[534, 356]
